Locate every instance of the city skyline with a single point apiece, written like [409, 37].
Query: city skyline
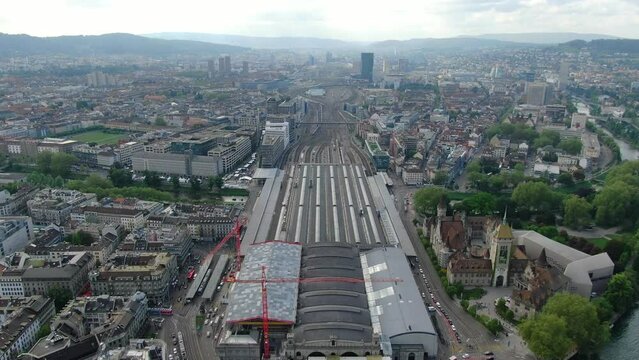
[327, 19]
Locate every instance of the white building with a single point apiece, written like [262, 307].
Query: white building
[15, 233]
[278, 129]
[125, 151]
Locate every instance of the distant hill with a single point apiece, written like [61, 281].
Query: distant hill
[630, 46]
[108, 44]
[458, 43]
[259, 42]
[544, 38]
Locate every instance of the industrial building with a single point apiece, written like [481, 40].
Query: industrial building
[326, 299]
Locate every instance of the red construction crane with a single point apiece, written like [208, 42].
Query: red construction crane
[267, 340]
[262, 281]
[236, 232]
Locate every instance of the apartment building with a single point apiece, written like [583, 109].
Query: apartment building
[127, 272]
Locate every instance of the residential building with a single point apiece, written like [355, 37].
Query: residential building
[590, 146]
[412, 175]
[55, 205]
[129, 218]
[127, 272]
[16, 232]
[14, 204]
[176, 241]
[114, 320]
[69, 271]
[20, 328]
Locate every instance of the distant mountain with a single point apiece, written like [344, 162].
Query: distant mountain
[630, 46]
[544, 38]
[108, 44]
[458, 43]
[259, 42]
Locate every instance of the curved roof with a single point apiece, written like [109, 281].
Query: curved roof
[327, 309]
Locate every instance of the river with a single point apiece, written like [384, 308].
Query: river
[627, 151]
[624, 344]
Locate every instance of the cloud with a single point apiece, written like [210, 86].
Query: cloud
[349, 20]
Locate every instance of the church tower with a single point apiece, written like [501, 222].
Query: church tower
[500, 251]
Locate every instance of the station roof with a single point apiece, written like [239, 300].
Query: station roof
[282, 261]
[397, 307]
[332, 308]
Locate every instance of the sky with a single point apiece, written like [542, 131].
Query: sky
[361, 20]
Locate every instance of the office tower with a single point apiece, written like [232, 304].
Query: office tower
[211, 68]
[329, 57]
[220, 64]
[367, 66]
[564, 71]
[227, 64]
[536, 93]
[245, 67]
[403, 65]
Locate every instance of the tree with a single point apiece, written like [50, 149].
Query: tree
[572, 146]
[44, 331]
[159, 121]
[43, 162]
[604, 308]
[97, 181]
[565, 179]
[577, 212]
[616, 203]
[620, 292]
[61, 164]
[547, 137]
[579, 175]
[80, 238]
[547, 336]
[494, 326]
[440, 178]
[585, 329]
[195, 187]
[176, 183]
[120, 177]
[60, 296]
[615, 248]
[152, 179]
[535, 195]
[481, 203]
[426, 200]
[215, 182]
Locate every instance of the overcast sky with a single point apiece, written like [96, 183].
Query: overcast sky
[365, 20]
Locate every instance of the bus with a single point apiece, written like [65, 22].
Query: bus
[166, 312]
[191, 275]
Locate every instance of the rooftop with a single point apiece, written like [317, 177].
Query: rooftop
[282, 261]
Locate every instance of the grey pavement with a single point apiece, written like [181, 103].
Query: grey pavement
[595, 232]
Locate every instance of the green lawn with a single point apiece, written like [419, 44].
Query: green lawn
[99, 136]
[598, 242]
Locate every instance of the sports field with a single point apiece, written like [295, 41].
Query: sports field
[98, 136]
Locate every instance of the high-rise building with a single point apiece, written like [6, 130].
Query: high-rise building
[210, 68]
[221, 66]
[536, 93]
[367, 66]
[329, 57]
[227, 64]
[245, 67]
[564, 72]
[403, 65]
